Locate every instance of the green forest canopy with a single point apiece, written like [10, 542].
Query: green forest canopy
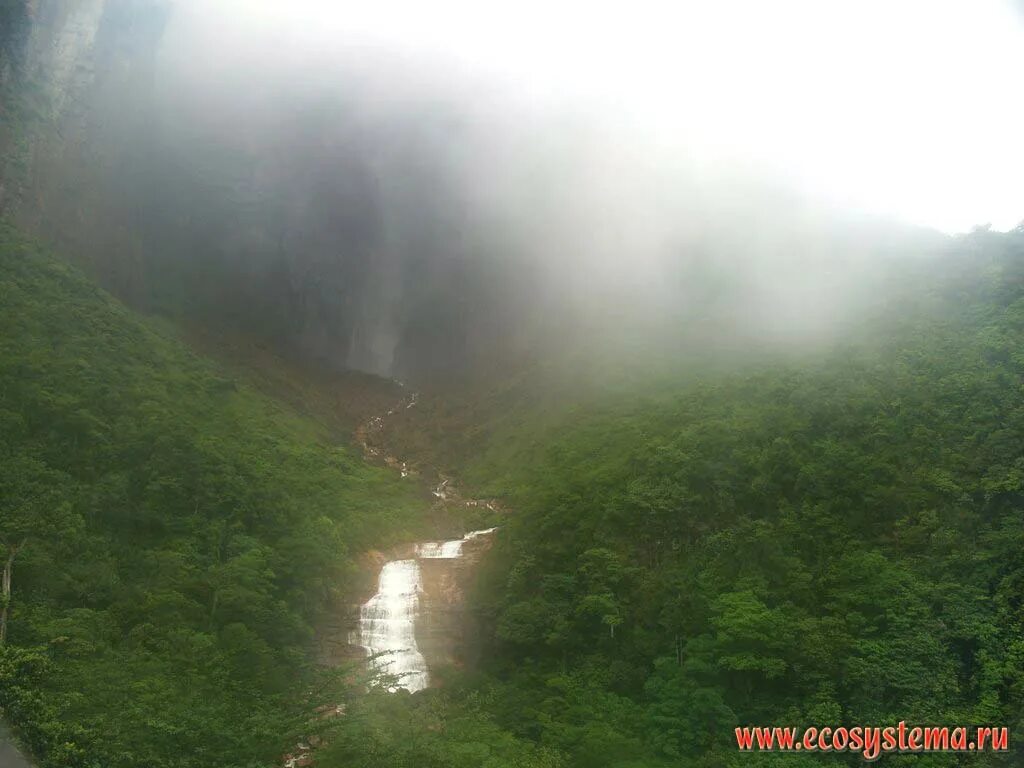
[835, 540]
[176, 535]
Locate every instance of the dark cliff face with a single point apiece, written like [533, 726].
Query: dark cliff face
[300, 215]
[357, 208]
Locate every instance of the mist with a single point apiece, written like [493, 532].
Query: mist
[421, 190]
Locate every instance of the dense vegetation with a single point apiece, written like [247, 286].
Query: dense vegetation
[173, 537]
[830, 539]
[831, 536]
[836, 540]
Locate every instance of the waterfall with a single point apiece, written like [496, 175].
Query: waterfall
[387, 621]
[387, 624]
[453, 548]
[437, 549]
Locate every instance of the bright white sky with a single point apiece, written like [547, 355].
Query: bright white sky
[907, 107]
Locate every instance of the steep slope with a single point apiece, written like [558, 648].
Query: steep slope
[833, 538]
[367, 211]
[174, 536]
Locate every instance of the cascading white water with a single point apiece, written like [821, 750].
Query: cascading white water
[435, 549]
[439, 549]
[387, 624]
[387, 621]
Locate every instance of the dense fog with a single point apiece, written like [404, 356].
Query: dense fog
[424, 192]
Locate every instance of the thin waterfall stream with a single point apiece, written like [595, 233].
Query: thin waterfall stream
[415, 595]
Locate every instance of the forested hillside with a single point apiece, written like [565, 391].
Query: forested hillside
[836, 539]
[173, 536]
[684, 350]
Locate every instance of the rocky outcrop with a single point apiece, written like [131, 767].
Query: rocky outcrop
[418, 622]
[413, 599]
[308, 215]
[446, 628]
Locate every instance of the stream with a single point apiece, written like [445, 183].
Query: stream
[413, 620]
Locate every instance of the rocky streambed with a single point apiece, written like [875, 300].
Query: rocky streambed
[413, 619]
[416, 621]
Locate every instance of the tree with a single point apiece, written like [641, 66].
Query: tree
[32, 504]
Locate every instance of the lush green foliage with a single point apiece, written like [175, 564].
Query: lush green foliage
[433, 729]
[176, 536]
[836, 540]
